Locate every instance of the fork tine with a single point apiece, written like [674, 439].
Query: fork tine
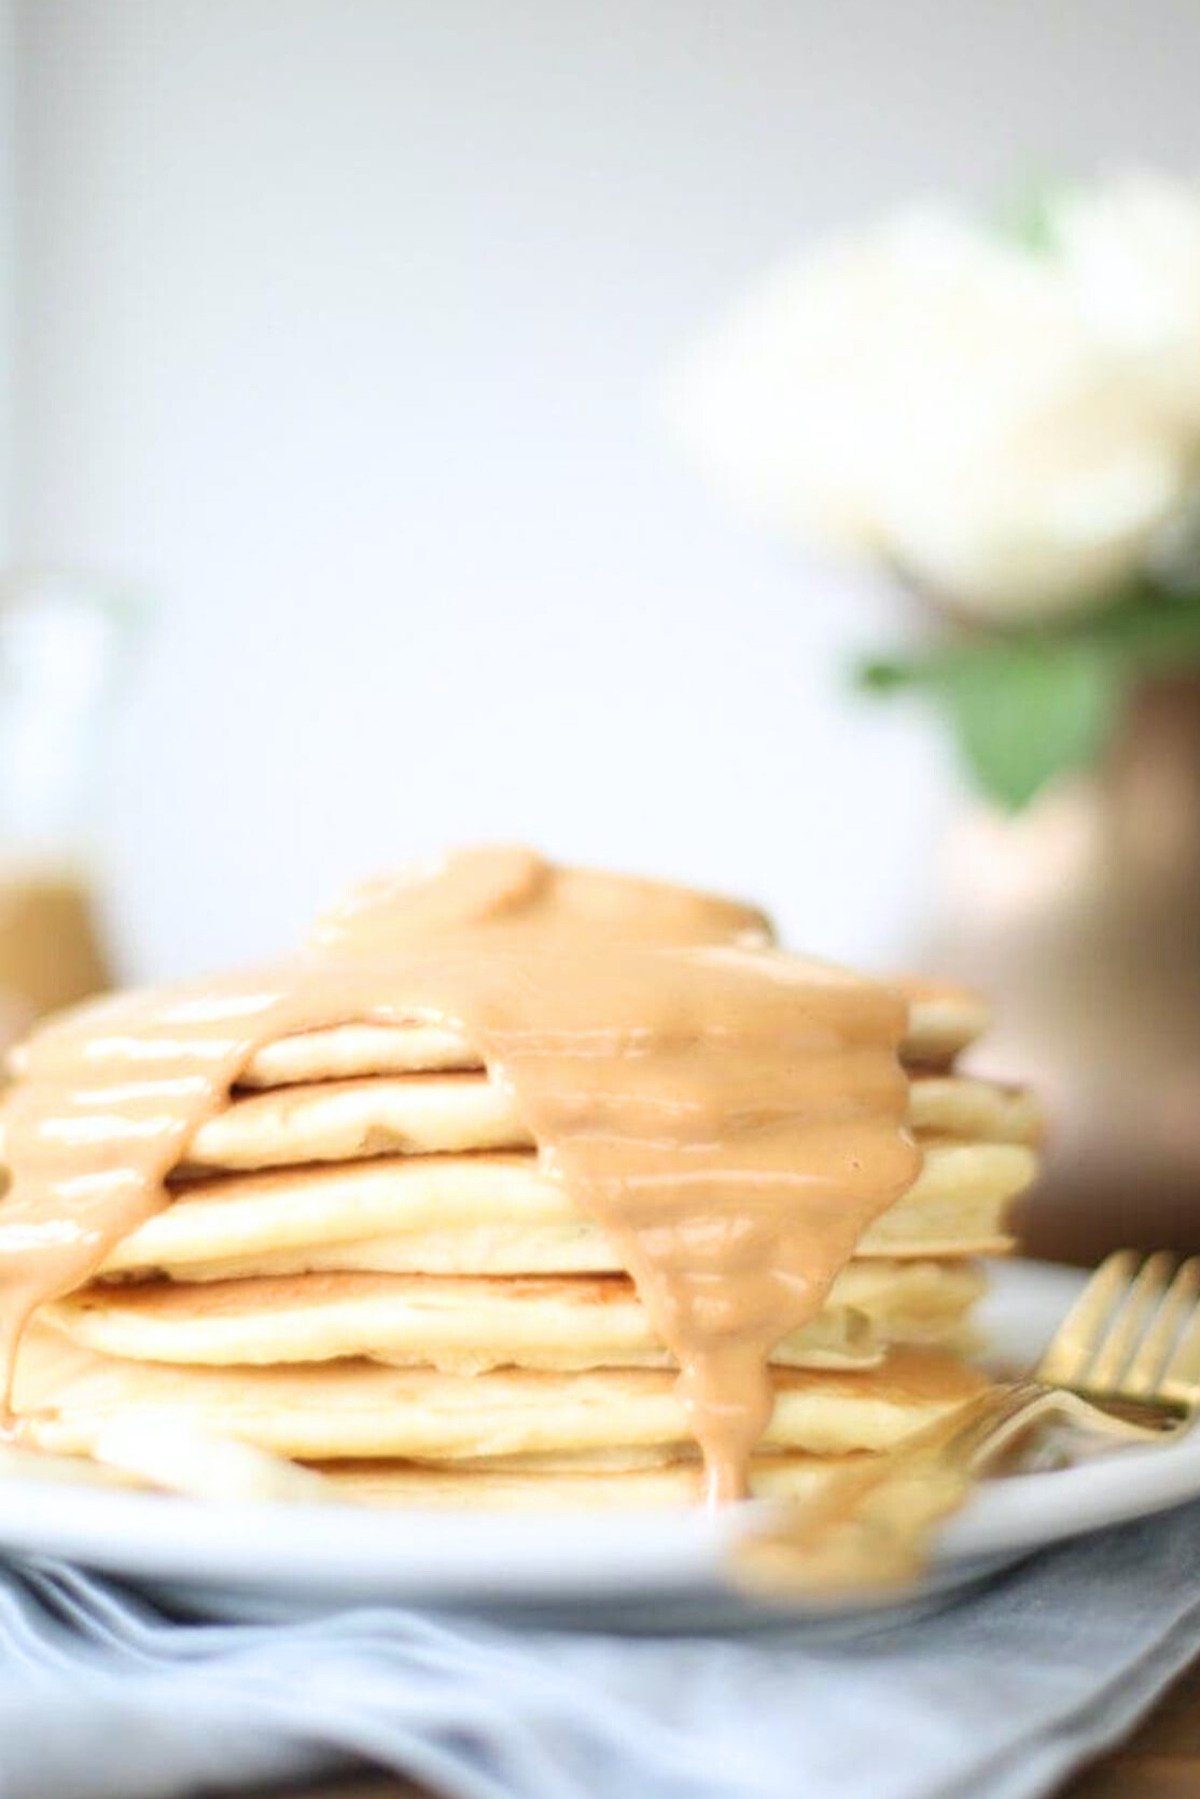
[1150, 1359]
[1182, 1375]
[1071, 1351]
[1148, 1368]
[1134, 1317]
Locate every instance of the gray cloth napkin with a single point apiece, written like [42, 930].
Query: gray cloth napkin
[996, 1697]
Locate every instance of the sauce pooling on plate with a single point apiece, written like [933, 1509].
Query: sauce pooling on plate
[732, 1116]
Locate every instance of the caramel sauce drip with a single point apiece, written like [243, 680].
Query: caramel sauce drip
[732, 1116]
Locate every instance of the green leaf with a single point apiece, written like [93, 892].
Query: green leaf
[1026, 718]
[1147, 632]
[1028, 706]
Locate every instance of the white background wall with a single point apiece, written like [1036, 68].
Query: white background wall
[338, 325]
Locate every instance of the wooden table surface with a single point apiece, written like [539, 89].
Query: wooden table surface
[1161, 1761]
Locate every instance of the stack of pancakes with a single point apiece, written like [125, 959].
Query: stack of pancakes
[364, 1269]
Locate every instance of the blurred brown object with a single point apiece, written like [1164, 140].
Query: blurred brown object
[61, 641]
[51, 950]
[1081, 920]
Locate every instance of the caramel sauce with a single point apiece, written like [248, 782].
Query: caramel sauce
[732, 1116]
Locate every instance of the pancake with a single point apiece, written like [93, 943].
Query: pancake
[336, 1264]
[472, 1324]
[205, 1467]
[335, 1121]
[943, 1020]
[499, 1214]
[344, 1120]
[965, 1108]
[67, 1395]
[176, 1457]
[72, 1470]
[213, 1468]
[353, 1050]
[673, 1486]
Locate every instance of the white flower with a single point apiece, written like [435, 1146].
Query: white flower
[1131, 249]
[1010, 428]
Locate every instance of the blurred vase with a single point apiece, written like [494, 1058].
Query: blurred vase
[1081, 919]
[59, 643]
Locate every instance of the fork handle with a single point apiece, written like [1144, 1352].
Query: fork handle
[869, 1528]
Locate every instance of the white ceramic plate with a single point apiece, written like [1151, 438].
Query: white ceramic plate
[649, 1571]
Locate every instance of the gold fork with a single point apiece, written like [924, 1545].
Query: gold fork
[1124, 1363]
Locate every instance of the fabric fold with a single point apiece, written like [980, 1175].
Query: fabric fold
[998, 1696]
